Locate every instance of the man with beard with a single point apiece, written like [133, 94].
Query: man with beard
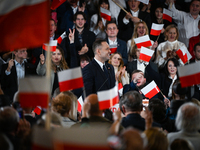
[83, 38]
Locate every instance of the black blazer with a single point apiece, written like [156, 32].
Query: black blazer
[122, 49]
[9, 83]
[126, 30]
[95, 79]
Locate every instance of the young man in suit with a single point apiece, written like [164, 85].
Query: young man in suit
[14, 70]
[112, 31]
[98, 75]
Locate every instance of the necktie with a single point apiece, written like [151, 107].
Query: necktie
[105, 71]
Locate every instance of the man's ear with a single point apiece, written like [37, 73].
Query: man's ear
[123, 109]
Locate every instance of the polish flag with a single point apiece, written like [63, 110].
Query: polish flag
[143, 41]
[115, 107]
[52, 44]
[189, 74]
[37, 110]
[34, 92]
[42, 139]
[20, 23]
[150, 90]
[167, 15]
[120, 89]
[108, 98]
[56, 3]
[64, 35]
[93, 138]
[156, 29]
[106, 14]
[146, 54]
[144, 1]
[70, 79]
[113, 48]
[80, 103]
[183, 54]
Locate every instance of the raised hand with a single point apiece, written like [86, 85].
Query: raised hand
[10, 64]
[71, 35]
[83, 50]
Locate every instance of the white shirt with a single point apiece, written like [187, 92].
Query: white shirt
[163, 48]
[187, 25]
[112, 42]
[134, 14]
[100, 63]
[170, 88]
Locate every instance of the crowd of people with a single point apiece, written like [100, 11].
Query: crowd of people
[106, 51]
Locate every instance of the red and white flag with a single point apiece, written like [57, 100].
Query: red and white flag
[167, 15]
[42, 139]
[189, 74]
[143, 41]
[150, 90]
[144, 1]
[56, 3]
[113, 48]
[80, 103]
[37, 110]
[184, 54]
[120, 89]
[19, 30]
[108, 98]
[106, 14]
[52, 44]
[115, 107]
[156, 29]
[146, 54]
[92, 138]
[70, 79]
[64, 35]
[34, 92]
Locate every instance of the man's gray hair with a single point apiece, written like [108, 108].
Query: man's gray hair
[188, 117]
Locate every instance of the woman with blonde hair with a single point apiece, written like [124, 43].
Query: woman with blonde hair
[58, 63]
[120, 73]
[62, 104]
[140, 30]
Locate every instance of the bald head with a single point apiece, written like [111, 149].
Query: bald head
[94, 105]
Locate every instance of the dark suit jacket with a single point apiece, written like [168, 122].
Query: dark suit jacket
[133, 66]
[95, 79]
[136, 121]
[122, 49]
[126, 30]
[9, 83]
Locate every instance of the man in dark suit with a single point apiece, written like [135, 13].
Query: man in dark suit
[112, 31]
[14, 70]
[131, 105]
[126, 21]
[83, 38]
[98, 75]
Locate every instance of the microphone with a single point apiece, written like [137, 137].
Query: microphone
[103, 84]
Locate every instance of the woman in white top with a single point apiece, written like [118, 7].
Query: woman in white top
[168, 48]
[120, 73]
[140, 30]
[97, 23]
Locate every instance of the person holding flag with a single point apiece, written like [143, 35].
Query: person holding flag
[58, 63]
[168, 48]
[98, 21]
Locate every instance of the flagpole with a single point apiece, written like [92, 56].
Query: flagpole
[12, 55]
[48, 76]
[120, 7]
[162, 94]
[158, 37]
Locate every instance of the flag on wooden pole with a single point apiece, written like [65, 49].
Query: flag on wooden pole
[106, 14]
[113, 48]
[184, 54]
[33, 92]
[146, 54]
[52, 44]
[167, 15]
[70, 79]
[108, 98]
[64, 35]
[143, 41]
[21, 25]
[150, 90]
[189, 75]
[156, 29]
